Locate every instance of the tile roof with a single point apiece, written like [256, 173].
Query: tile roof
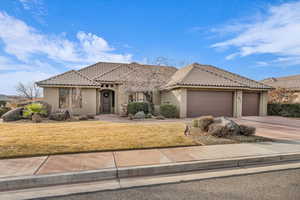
[101, 72]
[147, 76]
[289, 82]
[68, 78]
[210, 76]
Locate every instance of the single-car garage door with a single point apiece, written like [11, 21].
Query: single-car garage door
[250, 105]
[216, 103]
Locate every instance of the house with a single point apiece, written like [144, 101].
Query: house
[291, 84]
[195, 89]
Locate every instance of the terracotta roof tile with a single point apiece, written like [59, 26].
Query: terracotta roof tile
[71, 77]
[206, 75]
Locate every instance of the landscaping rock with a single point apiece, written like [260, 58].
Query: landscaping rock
[247, 130]
[160, 117]
[216, 129]
[13, 115]
[203, 122]
[139, 115]
[4, 110]
[222, 127]
[83, 117]
[148, 116]
[130, 116]
[60, 115]
[36, 118]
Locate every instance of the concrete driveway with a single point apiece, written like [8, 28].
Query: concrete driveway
[274, 127]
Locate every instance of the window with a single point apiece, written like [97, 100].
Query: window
[137, 97]
[76, 98]
[64, 97]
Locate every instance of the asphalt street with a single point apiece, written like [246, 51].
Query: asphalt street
[273, 185]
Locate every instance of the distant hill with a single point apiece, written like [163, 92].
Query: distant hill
[4, 97]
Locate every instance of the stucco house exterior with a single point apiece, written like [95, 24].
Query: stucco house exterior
[290, 83]
[195, 89]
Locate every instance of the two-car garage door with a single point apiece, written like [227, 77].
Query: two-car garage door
[216, 103]
[220, 103]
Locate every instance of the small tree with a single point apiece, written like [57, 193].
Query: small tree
[144, 80]
[28, 91]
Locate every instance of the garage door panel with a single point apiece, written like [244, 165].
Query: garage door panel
[250, 106]
[216, 103]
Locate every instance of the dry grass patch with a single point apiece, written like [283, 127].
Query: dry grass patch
[28, 139]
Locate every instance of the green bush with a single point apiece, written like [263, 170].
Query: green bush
[31, 109]
[285, 110]
[2, 103]
[4, 110]
[169, 111]
[134, 107]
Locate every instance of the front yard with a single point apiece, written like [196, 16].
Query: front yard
[32, 139]
[28, 139]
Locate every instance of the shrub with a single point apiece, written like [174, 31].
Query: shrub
[35, 108]
[60, 115]
[2, 103]
[203, 122]
[4, 110]
[134, 107]
[169, 111]
[247, 130]
[285, 110]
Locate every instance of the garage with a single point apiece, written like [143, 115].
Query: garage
[250, 105]
[216, 103]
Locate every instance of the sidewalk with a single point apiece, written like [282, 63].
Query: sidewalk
[55, 164]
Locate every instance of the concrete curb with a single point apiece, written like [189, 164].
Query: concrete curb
[130, 183]
[127, 172]
[56, 179]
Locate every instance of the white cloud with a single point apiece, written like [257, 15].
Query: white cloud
[24, 41]
[29, 54]
[276, 33]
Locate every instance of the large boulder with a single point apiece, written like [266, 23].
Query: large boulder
[139, 115]
[222, 127]
[36, 118]
[247, 130]
[203, 122]
[60, 115]
[13, 115]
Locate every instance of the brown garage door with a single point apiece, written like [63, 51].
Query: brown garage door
[250, 104]
[216, 103]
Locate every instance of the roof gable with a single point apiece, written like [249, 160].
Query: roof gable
[206, 75]
[71, 77]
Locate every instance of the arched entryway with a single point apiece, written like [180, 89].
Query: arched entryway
[107, 101]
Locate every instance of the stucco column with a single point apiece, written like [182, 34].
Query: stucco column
[263, 104]
[51, 96]
[238, 103]
[183, 103]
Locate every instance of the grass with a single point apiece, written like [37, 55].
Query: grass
[30, 139]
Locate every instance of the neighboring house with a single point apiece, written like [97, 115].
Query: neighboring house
[195, 89]
[291, 84]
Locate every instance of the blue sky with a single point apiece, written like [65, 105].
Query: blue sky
[40, 38]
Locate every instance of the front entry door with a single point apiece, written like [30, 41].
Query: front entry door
[106, 102]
